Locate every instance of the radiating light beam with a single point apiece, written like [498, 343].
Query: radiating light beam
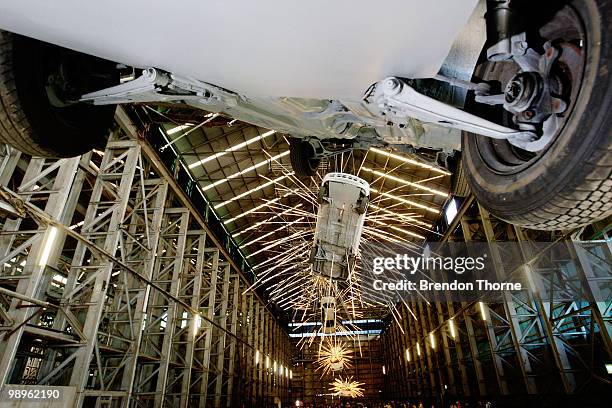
[403, 217]
[257, 224]
[251, 191]
[403, 231]
[232, 149]
[287, 225]
[405, 201]
[244, 171]
[410, 161]
[406, 182]
[259, 207]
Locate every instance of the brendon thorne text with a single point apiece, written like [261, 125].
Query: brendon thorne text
[427, 285]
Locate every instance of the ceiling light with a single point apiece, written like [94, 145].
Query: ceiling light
[406, 182]
[60, 279]
[266, 221]
[401, 216]
[272, 232]
[210, 117]
[347, 388]
[451, 327]
[77, 225]
[410, 161]
[48, 245]
[178, 128]
[251, 191]
[248, 169]
[275, 243]
[393, 227]
[409, 202]
[483, 313]
[232, 149]
[385, 237]
[259, 207]
[197, 322]
[333, 357]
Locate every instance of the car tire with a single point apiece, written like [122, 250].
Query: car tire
[302, 158]
[29, 121]
[460, 186]
[568, 184]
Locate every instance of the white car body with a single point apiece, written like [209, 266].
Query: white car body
[340, 221]
[328, 314]
[296, 67]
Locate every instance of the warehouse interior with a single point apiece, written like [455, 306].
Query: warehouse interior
[168, 269]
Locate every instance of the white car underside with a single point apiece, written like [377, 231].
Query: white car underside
[339, 71]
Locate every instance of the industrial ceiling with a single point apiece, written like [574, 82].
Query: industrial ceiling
[244, 172]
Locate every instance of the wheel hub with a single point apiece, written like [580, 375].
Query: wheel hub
[522, 92]
[540, 87]
[529, 94]
[61, 90]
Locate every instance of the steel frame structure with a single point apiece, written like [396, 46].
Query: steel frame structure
[542, 343]
[233, 166]
[111, 285]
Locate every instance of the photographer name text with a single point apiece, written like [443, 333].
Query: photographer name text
[455, 286]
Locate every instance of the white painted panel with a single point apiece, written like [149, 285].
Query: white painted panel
[310, 48]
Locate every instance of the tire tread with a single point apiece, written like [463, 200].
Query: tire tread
[15, 129]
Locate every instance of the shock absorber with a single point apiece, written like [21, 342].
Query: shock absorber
[503, 22]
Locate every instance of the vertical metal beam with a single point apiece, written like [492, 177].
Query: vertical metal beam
[102, 225]
[9, 157]
[204, 344]
[221, 337]
[105, 327]
[233, 346]
[139, 247]
[510, 311]
[192, 272]
[555, 343]
[469, 325]
[163, 317]
[53, 180]
[251, 371]
[261, 347]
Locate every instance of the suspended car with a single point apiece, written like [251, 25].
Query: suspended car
[343, 201]
[520, 88]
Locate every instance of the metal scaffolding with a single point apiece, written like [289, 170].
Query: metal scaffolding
[114, 289]
[550, 342]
